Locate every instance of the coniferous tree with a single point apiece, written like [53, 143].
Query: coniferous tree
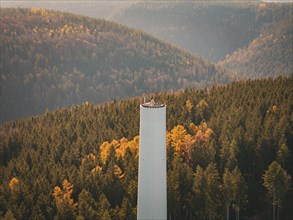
[199, 188]
[239, 191]
[126, 211]
[212, 191]
[104, 207]
[283, 154]
[173, 189]
[227, 190]
[87, 206]
[276, 180]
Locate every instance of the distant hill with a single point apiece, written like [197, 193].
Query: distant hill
[94, 8]
[270, 54]
[255, 37]
[210, 29]
[52, 59]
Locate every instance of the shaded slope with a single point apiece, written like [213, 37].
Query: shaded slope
[52, 59]
[210, 29]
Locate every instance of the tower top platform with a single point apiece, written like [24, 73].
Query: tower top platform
[152, 104]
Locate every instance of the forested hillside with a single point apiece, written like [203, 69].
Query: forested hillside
[270, 54]
[257, 37]
[52, 59]
[229, 148]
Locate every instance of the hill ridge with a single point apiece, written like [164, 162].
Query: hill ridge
[59, 59]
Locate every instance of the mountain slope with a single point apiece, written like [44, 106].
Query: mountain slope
[270, 54]
[51, 59]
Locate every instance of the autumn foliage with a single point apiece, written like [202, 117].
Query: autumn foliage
[63, 200]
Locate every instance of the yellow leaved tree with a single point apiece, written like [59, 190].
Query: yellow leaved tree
[104, 151]
[14, 185]
[188, 105]
[177, 135]
[65, 205]
[120, 147]
[118, 172]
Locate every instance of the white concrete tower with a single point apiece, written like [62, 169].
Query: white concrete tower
[152, 177]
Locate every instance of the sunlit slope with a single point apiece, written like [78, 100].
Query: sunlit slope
[270, 54]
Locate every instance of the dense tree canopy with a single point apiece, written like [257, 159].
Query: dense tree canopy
[83, 161]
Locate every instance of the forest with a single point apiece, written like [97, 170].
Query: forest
[229, 154]
[53, 59]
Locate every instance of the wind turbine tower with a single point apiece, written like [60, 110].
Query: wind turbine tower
[152, 177]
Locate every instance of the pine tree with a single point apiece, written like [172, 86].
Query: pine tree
[9, 215]
[87, 207]
[126, 211]
[173, 190]
[198, 189]
[227, 190]
[239, 190]
[104, 207]
[276, 180]
[212, 191]
[283, 154]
